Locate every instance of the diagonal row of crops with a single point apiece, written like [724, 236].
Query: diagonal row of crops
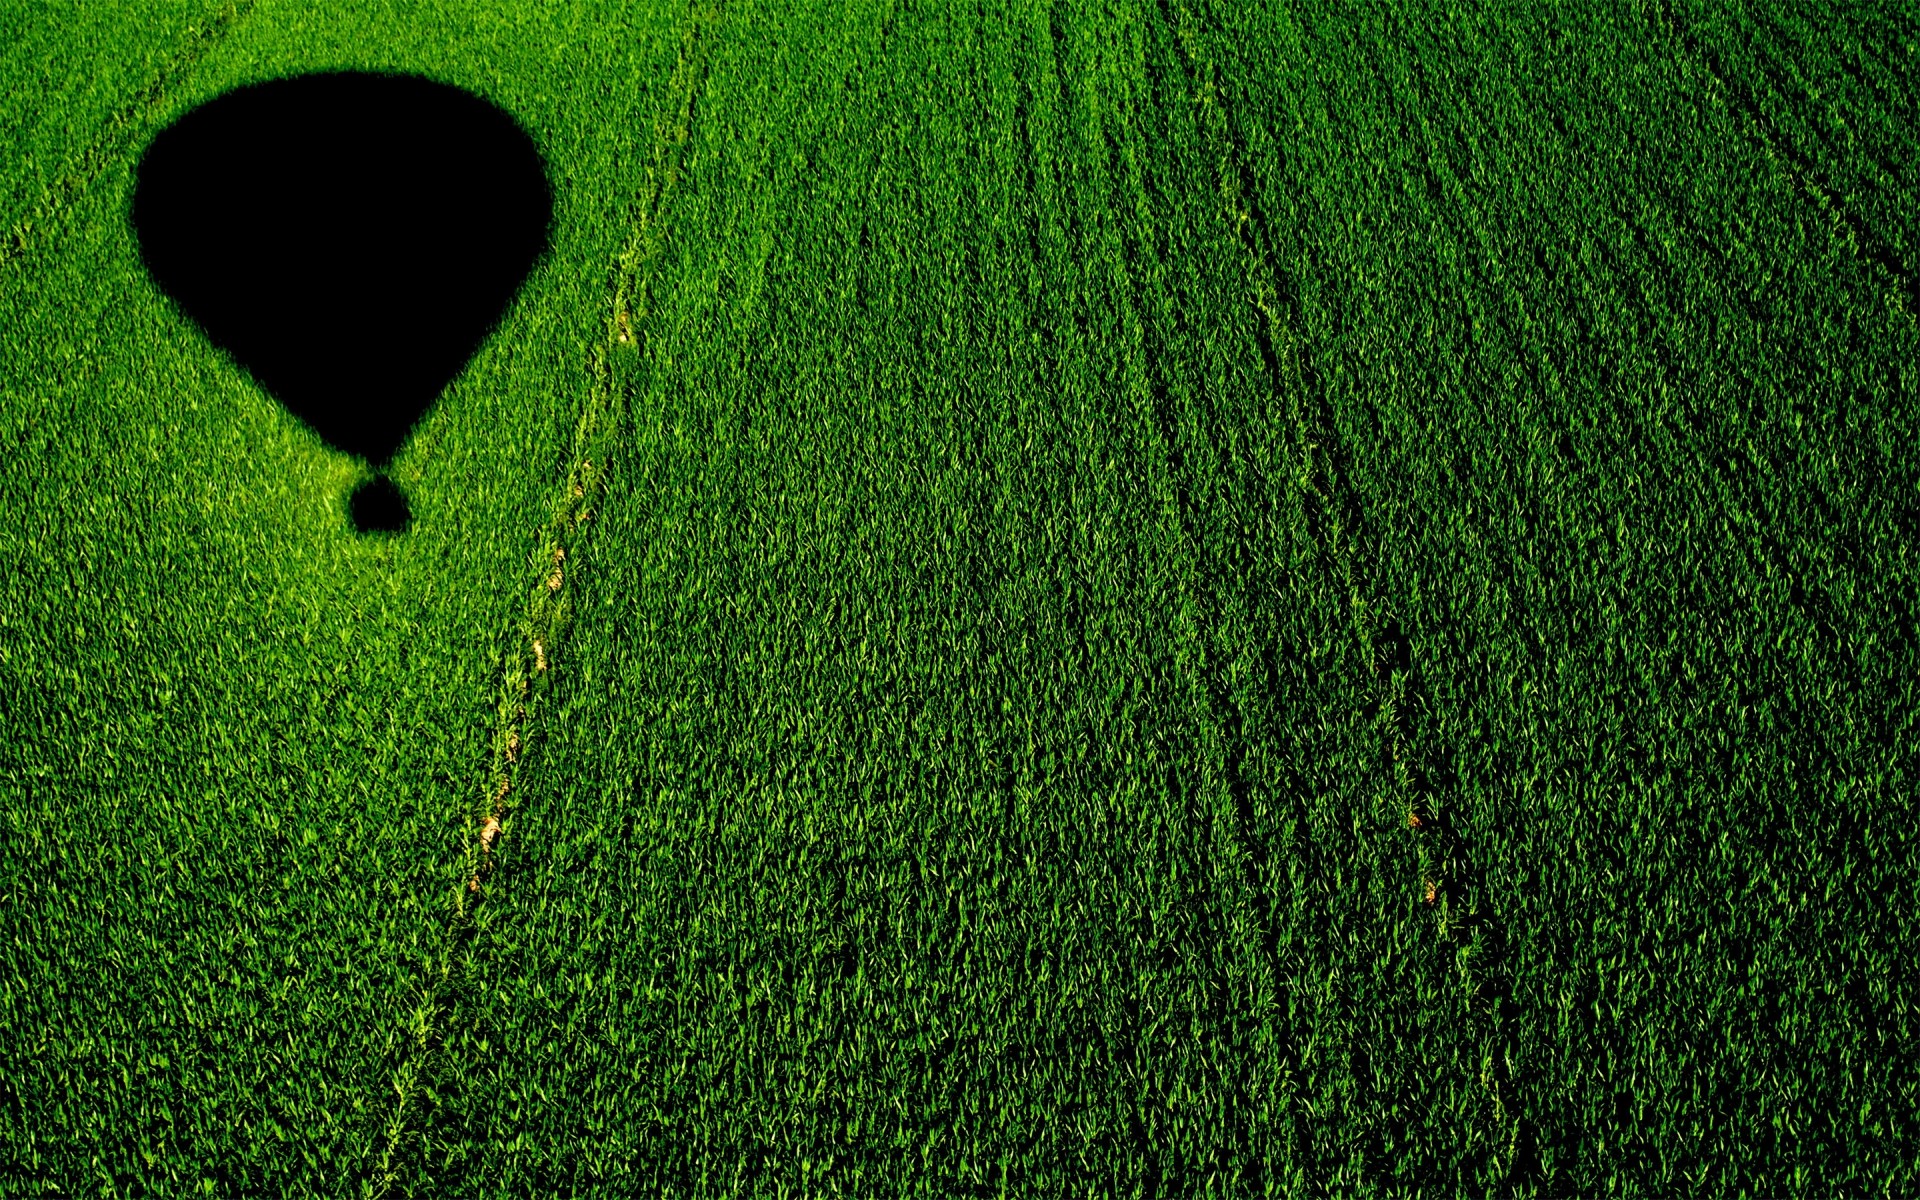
[895, 828]
[1129, 597]
[539, 640]
[110, 70]
[1830, 95]
[1629, 419]
[738, 940]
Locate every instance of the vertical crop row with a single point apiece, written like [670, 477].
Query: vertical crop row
[941, 794]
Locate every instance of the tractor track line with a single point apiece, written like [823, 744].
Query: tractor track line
[538, 634]
[1331, 508]
[1337, 527]
[1449, 869]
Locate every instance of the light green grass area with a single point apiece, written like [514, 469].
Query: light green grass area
[243, 742]
[1093, 597]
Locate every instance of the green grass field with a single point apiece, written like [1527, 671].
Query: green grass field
[1094, 598]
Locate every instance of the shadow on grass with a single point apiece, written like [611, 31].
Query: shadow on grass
[350, 240]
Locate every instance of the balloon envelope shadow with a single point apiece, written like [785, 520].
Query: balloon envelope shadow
[348, 238]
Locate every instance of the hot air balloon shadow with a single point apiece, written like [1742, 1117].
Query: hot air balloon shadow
[350, 239]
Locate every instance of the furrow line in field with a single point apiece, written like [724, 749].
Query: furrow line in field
[1142, 305]
[32, 229]
[1334, 516]
[1336, 525]
[1215, 703]
[1449, 870]
[1332, 511]
[529, 664]
[1056, 87]
[1865, 243]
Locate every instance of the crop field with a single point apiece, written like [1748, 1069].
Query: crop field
[1144, 598]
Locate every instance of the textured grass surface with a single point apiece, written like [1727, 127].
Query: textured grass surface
[1589, 474]
[889, 832]
[1118, 597]
[107, 71]
[1830, 95]
[244, 744]
[1630, 418]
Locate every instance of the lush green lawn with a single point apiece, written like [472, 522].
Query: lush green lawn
[1149, 597]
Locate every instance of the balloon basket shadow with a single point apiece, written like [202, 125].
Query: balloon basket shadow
[378, 508]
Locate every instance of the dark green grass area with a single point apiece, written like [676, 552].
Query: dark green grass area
[894, 828]
[1079, 504]
[1188, 599]
[1632, 427]
[1832, 94]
